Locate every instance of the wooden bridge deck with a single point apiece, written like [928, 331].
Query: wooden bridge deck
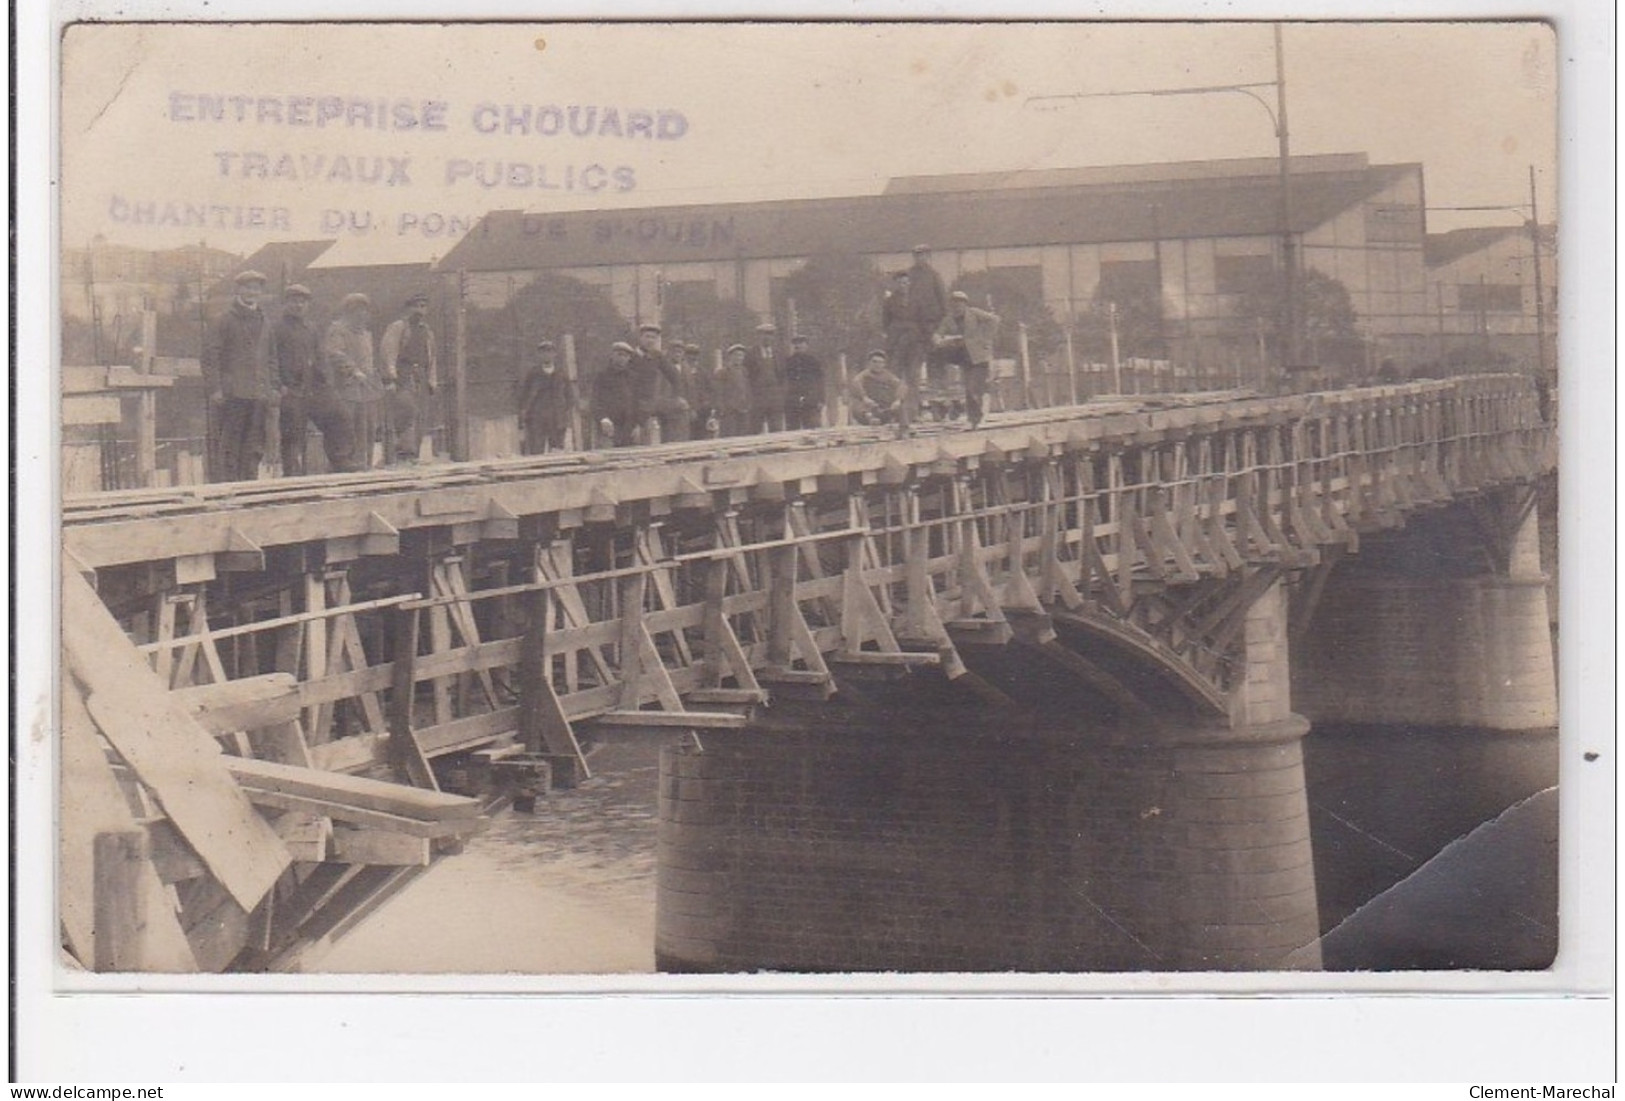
[372, 624]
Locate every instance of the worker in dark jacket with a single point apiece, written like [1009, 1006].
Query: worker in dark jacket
[803, 387]
[764, 367]
[615, 399]
[691, 379]
[547, 401]
[306, 395]
[723, 398]
[928, 302]
[659, 385]
[242, 386]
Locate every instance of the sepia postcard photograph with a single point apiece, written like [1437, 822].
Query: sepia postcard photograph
[657, 506]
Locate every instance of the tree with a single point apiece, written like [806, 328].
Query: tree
[1328, 322]
[1138, 300]
[835, 298]
[696, 314]
[502, 341]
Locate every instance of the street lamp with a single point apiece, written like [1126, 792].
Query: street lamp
[1277, 114]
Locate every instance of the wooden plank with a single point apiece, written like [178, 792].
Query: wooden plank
[308, 836]
[357, 791]
[792, 676]
[675, 720]
[737, 696]
[170, 752]
[365, 845]
[467, 732]
[92, 804]
[216, 927]
[242, 704]
[344, 812]
[172, 858]
[349, 754]
[89, 409]
[878, 657]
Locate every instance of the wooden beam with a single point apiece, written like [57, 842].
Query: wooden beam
[93, 804]
[170, 753]
[542, 722]
[241, 704]
[405, 754]
[365, 845]
[360, 792]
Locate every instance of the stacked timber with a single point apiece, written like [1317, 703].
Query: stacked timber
[183, 850]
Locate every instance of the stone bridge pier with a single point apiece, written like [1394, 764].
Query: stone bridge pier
[1442, 623]
[1042, 817]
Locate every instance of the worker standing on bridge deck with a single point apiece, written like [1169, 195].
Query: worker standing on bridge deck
[348, 353]
[804, 387]
[410, 375]
[928, 302]
[723, 398]
[546, 400]
[659, 384]
[615, 398]
[764, 367]
[691, 378]
[965, 337]
[305, 396]
[878, 395]
[236, 364]
[905, 343]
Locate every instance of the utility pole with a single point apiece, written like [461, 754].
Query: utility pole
[1289, 307]
[1540, 283]
[1290, 352]
[1117, 364]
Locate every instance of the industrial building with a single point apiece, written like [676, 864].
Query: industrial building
[1202, 233]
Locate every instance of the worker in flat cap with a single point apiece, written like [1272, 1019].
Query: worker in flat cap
[408, 365]
[659, 388]
[691, 376]
[241, 383]
[724, 398]
[803, 386]
[547, 403]
[295, 364]
[878, 395]
[348, 354]
[615, 398]
[764, 367]
[965, 337]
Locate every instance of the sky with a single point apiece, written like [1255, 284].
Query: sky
[730, 112]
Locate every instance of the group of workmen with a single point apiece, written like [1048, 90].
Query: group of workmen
[650, 392]
[269, 379]
[654, 393]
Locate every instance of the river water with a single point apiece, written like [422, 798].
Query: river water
[571, 888]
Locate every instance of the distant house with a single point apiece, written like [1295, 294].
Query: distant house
[1481, 287]
[1196, 235]
[109, 281]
